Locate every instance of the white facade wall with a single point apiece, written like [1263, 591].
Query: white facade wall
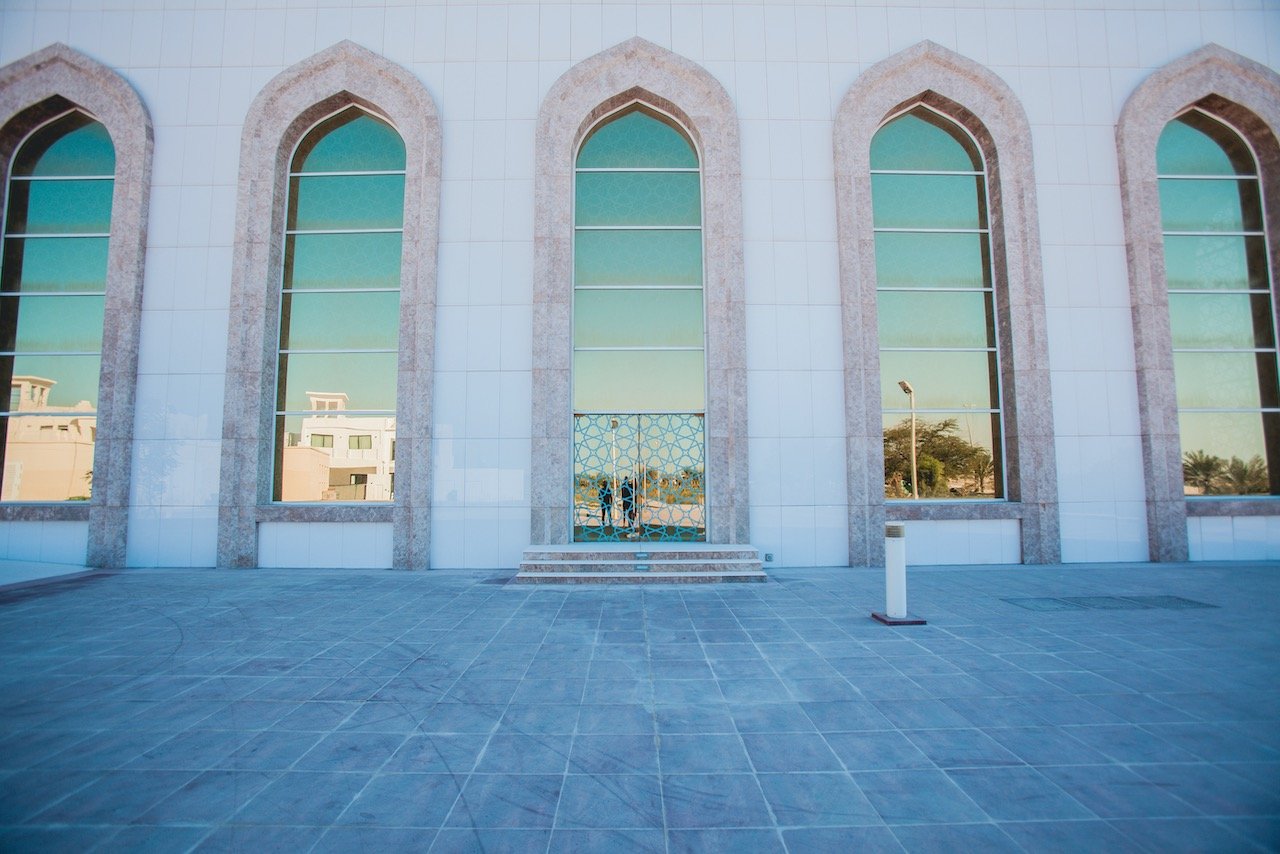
[197, 66]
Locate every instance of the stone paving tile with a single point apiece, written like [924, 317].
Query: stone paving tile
[333, 711]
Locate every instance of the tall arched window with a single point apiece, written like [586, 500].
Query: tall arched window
[52, 291]
[340, 313]
[939, 359]
[639, 358]
[1221, 313]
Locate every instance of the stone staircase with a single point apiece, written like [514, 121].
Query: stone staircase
[639, 563]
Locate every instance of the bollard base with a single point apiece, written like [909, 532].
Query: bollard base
[908, 620]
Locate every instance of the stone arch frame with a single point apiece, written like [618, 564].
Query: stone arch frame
[33, 90]
[340, 76]
[975, 98]
[638, 71]
[1244, 95]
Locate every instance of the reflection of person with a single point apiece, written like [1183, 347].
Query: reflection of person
[606, 500]
[627, 492]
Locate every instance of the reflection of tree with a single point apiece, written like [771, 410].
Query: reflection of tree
[1210, 474]
[948, 465]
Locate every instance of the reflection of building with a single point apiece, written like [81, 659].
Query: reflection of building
[339, 457]
[48, 452]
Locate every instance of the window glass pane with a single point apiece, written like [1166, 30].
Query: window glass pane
[1209, 262]
[928, 201]
[949, 380]
[638, 198]
[368, 379]
[923, 140]
[351, 141]
[340, 321]
[1195, 144]
[638, 139]
[346, 202]
[931, 260]
[637, 318]
[1209, 205]
[1225, 453]
[73, 145]
[638, 257]
[334, 457]
[1224, 380]
[323, 261]
[1221, 321]
[52, 265]
[935, 319]
[957, 455]
[48, 458]
[57, 381]
[44, 324]
[639, 381]
[60, 207]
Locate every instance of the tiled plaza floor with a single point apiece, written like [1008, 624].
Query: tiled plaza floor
[377, 711]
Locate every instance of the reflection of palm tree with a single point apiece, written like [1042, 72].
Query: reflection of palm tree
[1247, 478]
[1201, 470]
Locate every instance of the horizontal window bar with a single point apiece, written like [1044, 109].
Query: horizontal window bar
[293, 231]
[48, 413]
[1208, 177]
[1246, 411]
[1213, 233]
[940, 289]
[32, 294]
[332, 352]
[341, 413]
[62, 177]
[925, 172]
[346, 174]
[54, 235]
[683, 169]
[882, 230]
[341, 290]
[1224, 349]
[937, 349]
[629, 287]
[32, 353]
[638, 349]
[588, 412]
[637, 228]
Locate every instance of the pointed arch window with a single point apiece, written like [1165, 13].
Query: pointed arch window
[936, 311]
[1221, 310]
[639, 355]
[340, 313]
[52, 293]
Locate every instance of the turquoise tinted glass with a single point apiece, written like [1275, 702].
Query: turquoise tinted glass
[50, 266]
[60, 207]
[72, 146]
[935, 319]
[1194, 144]
[351, 141]
[637, 318]
[75, 377]
[44, 324]
[638, 198]
[637, 140]
[1222, 380]
[906, 260]
[650, 257]
[368, 379]
[1221, 321]
[1209, 262]
[923, 140]
[928, 201]
[321, 261]
[1209, 205]
[340, 321]
[346, 202]
[638, 381]
[949, 380]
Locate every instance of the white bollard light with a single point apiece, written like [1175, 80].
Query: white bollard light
[895, 579]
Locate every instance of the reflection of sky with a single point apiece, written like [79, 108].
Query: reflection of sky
[927, 201]
[1209, 205]
[1219, 380]
[369, 379]
[922, 139]
[361, 320]
[1221, 320]
[1223, 434]
[1204, 262]
[1186, 150]
[86, 150]
[76, 376]
[650, 257]
[61, 207]
[347, 202]
[905, 259]
[51, 324]
[934, 319]
[61, 264]
[638, 198]
[942, 380]
[637, 380]
[620, 318]
[318, 261]
[351, 141]
[637, 139]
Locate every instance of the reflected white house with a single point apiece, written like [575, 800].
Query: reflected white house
[48, 453]
[337, 456]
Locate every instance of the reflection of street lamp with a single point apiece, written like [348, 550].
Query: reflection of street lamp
[915, 474]
[613, 442]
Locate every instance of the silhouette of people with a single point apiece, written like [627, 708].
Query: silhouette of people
[606, 500]
[627, 492]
